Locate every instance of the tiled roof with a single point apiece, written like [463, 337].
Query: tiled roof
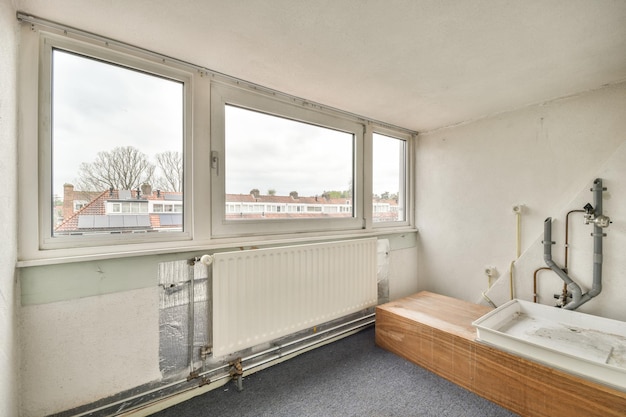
[97, 207]
[94, 207]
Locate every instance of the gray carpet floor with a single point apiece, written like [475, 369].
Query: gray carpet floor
[350, 377]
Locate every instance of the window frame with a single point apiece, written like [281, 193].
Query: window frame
[48, 43]
[408, 162]
[223, 95]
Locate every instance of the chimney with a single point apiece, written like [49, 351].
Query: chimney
[68, 201]
[146, 189]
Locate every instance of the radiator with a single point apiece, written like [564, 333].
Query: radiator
[263, 294]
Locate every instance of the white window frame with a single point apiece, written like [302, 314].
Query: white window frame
[222, 95]
[407, 189]
[42, 141]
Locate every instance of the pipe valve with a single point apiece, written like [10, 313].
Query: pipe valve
[591, 218]
[602, 221]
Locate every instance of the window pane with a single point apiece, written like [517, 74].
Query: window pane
[388, 173]
[281, 168]
[117, 137]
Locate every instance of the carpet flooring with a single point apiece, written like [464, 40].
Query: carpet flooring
[350, 377]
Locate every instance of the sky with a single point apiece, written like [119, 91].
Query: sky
[267, 152]
[98, 106]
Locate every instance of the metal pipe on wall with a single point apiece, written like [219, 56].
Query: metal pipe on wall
[599, 220]
[573, 288]
[192, 316]
[220, 372]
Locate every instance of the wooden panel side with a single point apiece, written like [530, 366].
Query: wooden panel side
[529, 388]
[440, 352]
[523, 386]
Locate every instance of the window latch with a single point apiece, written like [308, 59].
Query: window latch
[215, 162]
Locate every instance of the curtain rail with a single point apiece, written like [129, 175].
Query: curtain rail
[37, 21]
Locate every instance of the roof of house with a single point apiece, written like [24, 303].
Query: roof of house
[93, 217]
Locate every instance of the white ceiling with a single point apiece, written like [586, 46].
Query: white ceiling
[419, 64]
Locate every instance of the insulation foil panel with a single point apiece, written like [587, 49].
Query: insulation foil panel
[264, 294]
[175, 318]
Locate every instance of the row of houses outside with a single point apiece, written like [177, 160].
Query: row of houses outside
[148, 210]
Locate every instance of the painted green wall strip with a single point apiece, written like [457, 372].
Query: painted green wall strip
[52, 283]
[60, 282]
[399, 241]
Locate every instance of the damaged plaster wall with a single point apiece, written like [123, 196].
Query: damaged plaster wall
[78, 351]
[580, 250]
[540, 156]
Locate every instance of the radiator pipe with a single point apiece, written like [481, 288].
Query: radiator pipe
[282, 354]
[367, 320]
[371, 320]
[192, 318]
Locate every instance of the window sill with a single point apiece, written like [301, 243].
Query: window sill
[183, 250]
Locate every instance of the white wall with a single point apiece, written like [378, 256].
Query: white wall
[8, 209]
[403, 273]
[542, 156]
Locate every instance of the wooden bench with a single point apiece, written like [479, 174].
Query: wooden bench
[436, 332]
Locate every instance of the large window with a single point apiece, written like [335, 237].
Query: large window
[285, 169]
[280, 167]
[117, 142]
[125, 151]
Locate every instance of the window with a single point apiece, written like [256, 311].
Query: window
[117, 139]
[261, 163]
[389, 165]
[289, 167]
[280, 162]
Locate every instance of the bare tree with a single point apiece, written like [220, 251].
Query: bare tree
[122, 168]
[170, 176]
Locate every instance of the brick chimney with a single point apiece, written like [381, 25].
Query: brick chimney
[146, 190]
[68, 201]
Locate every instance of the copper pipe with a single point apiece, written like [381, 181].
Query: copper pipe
[535, 282]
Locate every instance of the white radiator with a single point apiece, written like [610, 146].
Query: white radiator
[263, 294]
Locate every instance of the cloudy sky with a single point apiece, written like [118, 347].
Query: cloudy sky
[97, 107]
[267, 152]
